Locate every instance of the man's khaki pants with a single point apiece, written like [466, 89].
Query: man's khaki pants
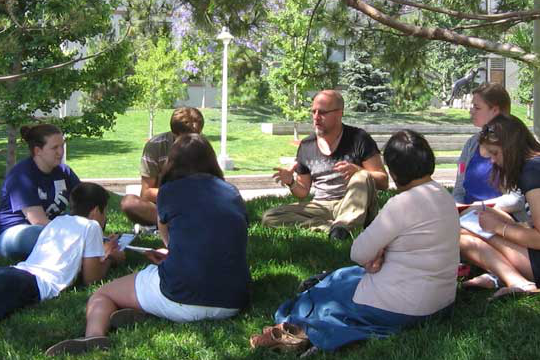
[357, 208]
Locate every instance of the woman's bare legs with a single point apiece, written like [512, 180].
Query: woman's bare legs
[115, 295]
[509, 261]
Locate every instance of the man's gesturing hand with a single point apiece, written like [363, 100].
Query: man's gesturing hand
[346, 169]
[285, 176]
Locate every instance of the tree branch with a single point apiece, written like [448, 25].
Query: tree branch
[9, 9]
[506, 50]
[511, 22]
[9, 4]
[49, 68]
[306, 42]
[6, 78]
[462, 15]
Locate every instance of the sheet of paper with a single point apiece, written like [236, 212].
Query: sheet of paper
[138, 248]
[124, 240]
[470, 222]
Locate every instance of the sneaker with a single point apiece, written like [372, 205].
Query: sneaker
[339, 232]
[126, 317]
[145, 229]
[79, 346]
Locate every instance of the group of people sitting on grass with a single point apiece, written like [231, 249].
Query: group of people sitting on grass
[408, 253]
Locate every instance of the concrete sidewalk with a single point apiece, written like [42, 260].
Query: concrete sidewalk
[253, 186]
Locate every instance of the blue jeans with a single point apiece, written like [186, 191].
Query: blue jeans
[18, 241]
[331, 319]
[18, 288]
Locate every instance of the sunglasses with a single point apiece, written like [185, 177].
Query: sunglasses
[322, 112]
[488, 133]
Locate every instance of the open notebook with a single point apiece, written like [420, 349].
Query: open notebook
[470, 222]
[124, 240]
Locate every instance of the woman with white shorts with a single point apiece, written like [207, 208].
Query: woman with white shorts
[202, 273]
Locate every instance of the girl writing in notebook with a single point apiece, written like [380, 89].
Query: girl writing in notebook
[513, 254]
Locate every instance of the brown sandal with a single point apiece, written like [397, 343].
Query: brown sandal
[281, 337]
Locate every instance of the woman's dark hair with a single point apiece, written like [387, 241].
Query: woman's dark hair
[190, 154]
[85, 197]
[408, 157]
[36, 136]
[494, 94]
[518, 144]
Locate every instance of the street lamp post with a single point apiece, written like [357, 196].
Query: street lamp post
[224, 161]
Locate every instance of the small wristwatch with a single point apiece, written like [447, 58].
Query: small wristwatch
[291, 185]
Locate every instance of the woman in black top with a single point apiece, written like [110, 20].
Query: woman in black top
[513, 253]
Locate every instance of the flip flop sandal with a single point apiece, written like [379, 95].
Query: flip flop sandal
[80, 345]
[515, 292]
[488, 276]
[126, 317]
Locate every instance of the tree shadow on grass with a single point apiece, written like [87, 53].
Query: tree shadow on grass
[25, 329]
[292, 248]
[270, 290]
[256, 207]
[83, 147]
[258, 114]
[218, 137]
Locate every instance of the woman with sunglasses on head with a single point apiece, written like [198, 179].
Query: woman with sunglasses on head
[35, 191]
[513, 253]
[472, 184]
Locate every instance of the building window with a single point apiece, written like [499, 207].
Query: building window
[497, 71]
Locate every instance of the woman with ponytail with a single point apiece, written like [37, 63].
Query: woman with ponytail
[35, 191]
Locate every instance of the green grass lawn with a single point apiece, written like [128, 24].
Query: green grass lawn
[117, 154]
[279, 259]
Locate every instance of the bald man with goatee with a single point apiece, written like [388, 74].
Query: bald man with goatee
[345, 168]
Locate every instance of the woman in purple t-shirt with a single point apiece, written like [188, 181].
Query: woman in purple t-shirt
[35, 191]
[472, 181]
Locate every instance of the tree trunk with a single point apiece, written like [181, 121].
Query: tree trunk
[295, 103]
[64, 158]
[11, 157]
[12, 130]
[151, 126]
[536, 89]
[203, 103]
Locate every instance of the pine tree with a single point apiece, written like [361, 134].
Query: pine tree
[368, 88]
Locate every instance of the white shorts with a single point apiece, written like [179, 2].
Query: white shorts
[153, 302]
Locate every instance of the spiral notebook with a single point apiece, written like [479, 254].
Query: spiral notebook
[470, 222]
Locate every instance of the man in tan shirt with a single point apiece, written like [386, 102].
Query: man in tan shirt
[142, 209]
